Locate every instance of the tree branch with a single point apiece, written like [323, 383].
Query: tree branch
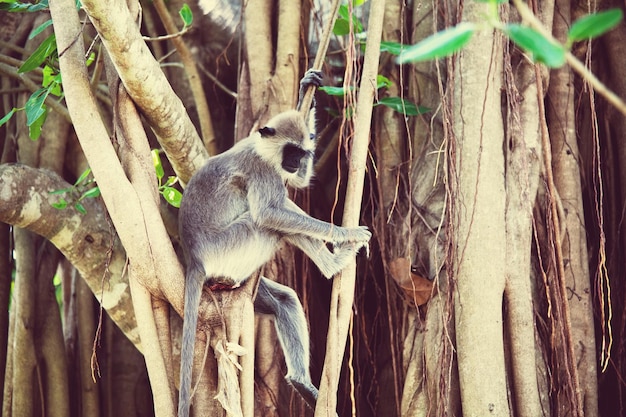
[145, 82]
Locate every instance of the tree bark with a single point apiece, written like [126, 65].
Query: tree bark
[479, 221]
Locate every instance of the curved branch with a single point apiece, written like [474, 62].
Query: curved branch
[147, 85]
[87, 241]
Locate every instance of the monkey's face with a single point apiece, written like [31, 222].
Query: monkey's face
[289, 147]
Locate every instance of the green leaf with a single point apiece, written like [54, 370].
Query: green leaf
[40, 28]
[393, 48]
[91, 193]
[186, 14]
[158, 166]
[342, 24]
[43, 51]
[402, 106]
[382, 82]
[35, 106]
[7, 116]
[439, 45]
[593, 25]
[81, 209]
[83, 176]
[90, 59]
[60, 205]
[333, 91]
[34, 128]
[538, 46]
[172, 196]
[14, 6]
[52, 80]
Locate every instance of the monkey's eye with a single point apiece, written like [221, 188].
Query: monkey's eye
[312, 136]
[267, 131]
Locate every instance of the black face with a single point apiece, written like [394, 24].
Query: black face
[292, 155]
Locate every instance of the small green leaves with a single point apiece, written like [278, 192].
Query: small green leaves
[538, 46]
[439, 45]
[16, 6]
[334, 91]
[403, 106]
[171, 194]
[36, 112]
[43, 51]
[81, 190]
[593, 25]
[186, 15]
[342, 24]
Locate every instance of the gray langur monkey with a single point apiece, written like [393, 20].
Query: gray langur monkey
[235, 211]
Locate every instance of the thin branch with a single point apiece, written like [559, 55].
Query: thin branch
[342, 296]
[573, 62]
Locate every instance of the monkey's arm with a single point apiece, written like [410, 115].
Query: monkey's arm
[274, 211]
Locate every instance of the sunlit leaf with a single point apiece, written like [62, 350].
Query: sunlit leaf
[342, 23]
[83, 176]
[91, 193]
[60, 205]
[158, 166]
[186, 14]
[90, 59]
[52, 80]
[538, 46]
[43, 51]
[593, 25]
[438, 45]
[172, 196]
[382, 82]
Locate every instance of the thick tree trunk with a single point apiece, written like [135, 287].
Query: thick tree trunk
[479, 223]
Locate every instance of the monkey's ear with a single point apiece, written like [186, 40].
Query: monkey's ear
[267, 131]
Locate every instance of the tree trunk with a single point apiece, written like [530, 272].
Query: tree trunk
[479, 222]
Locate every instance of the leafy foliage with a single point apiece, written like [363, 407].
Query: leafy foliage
[538, 46]
[439, 45]
[171, 194]
[83, 188]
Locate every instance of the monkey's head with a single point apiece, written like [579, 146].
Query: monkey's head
[286, 143]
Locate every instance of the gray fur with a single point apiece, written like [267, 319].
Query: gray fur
[234, 213]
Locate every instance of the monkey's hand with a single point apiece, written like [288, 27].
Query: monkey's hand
[359, 234]
[312, 78]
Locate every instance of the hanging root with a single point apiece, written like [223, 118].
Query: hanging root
[228, 392]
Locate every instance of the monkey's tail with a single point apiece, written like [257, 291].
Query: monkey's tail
[193, 290]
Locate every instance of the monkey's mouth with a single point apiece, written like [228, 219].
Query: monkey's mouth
[215, 285]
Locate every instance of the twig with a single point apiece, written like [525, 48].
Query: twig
[573, 62]
[319, 59]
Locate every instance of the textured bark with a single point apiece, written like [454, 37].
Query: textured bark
[479, 223]
[565, 164]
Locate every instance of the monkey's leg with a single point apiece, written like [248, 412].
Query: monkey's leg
[282, 302]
